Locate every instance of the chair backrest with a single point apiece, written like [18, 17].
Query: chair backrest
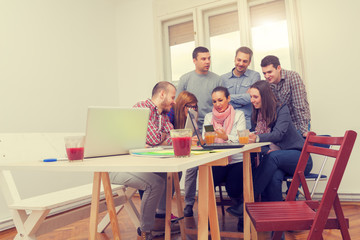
[330, 198]
[320, 145]
[319, 175]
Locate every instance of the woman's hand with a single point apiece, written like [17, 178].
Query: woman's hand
[220, 133]
[252, 137]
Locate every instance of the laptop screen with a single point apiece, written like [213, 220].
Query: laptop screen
[115, 130]
[188, 124]
[195, 126]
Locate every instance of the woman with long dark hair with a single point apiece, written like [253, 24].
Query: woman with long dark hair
[272, 123]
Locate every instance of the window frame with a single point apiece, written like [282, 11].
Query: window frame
[164, 59]
[200, 14]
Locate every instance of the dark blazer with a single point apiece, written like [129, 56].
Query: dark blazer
[283, 132]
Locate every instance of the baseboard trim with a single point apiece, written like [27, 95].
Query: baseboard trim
[7, 223]
[344, 197]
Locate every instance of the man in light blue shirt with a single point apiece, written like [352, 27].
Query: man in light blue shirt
[238, 82]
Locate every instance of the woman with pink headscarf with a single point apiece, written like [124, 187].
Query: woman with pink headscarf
[226, 122]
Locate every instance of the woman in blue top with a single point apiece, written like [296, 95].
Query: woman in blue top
[272, 123]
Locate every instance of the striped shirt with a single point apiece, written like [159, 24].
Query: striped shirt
[158, 125]
[291, 91]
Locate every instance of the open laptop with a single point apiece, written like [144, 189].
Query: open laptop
[214, 145]
[115, 130]
[188, 124]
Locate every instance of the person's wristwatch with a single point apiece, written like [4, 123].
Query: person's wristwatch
[257, 139]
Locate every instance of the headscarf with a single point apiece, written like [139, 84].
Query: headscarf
[223, 120]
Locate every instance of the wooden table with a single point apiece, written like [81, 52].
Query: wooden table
[128, 163]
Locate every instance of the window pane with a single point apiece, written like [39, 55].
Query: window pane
[223, 49]
[223, 23]
[269, 33]
[224, 40]
[181, 33]
[181, 59]
[181, 45]
[271, 39]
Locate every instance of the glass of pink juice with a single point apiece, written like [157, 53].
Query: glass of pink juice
[75, 153]
[75, 147]
[181, 139]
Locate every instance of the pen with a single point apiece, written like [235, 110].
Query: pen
[54, 159]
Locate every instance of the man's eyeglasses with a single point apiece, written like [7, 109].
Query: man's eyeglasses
[192, 107]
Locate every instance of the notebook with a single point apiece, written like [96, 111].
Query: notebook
[210, 146]
[115, 130]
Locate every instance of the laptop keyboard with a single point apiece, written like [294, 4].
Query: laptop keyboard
[224, 144]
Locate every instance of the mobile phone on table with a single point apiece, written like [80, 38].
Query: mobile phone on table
[209, 128]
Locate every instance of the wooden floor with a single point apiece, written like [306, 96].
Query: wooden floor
[79, 230]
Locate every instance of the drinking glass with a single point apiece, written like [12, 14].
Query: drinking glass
[181, 140]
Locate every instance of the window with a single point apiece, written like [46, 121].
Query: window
[181, 60]
[224, 39]
[224, 26]
[181, 43]
[269, 33]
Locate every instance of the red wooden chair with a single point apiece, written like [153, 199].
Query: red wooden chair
[308, 214]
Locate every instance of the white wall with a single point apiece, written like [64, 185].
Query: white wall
[331, 47]
[56, 59]
[136, 53]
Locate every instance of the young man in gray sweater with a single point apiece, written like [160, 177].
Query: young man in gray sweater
[199, 82]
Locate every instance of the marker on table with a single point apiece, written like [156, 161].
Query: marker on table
[54, 159]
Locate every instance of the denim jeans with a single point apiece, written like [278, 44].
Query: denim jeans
[269, 175]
